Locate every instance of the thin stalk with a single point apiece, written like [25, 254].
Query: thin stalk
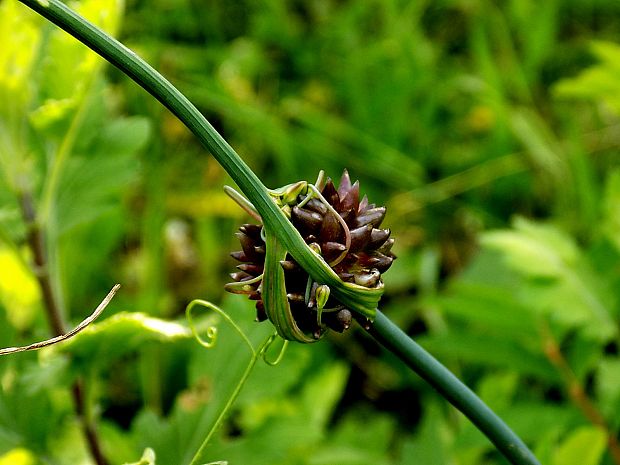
[382, 328]
[452, 389]
[36, 243]
[577, 392]
[55, 340]
[56, 320]
[62, 153]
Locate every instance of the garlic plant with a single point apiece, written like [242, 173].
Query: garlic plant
[339, 227]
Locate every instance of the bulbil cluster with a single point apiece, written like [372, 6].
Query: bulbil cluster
[359, 253]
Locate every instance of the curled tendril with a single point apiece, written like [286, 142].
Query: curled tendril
[211, 334]
[267, 345]
[211, 330]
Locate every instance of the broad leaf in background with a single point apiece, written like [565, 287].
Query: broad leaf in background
[608, 388]
[529, 283]
[19, 292]
[148, 458]
[600, 82]
[209, 377]
[118, 335]
[93, 182]
[584, 446]
[295, 432]
[20, 35]
[18, 457]
[20, 405]
[611, 209]
[559, 282]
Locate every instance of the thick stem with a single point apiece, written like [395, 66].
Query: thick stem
[55, 318]
[459, 395]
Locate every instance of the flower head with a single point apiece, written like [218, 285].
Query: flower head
[343, 229]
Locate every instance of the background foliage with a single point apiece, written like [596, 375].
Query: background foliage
[489, 129]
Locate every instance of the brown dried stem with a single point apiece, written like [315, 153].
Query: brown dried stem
[55, 340]
[36, 241]
[577, 392]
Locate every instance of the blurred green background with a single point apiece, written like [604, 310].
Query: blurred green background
[491, 132]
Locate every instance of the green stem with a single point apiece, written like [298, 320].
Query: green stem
[453, 390]
[255, 354]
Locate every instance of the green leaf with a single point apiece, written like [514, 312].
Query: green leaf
[490, 307]
[608, 387]
[91, 184]
[68, 445]
[600, 82]
[19, 291]
[212, 375]
[20, 34]
[266, 395]
[558, 281]
[498, 389]
[22, 407]
[120, 334]
[611, 208]
[122, 137]
[148, 458]
[51, 111]
[489, 350]
[322, 392]
[291, 435]
[536, 250]
[584, 446]
[18, 457]
[350, 444]
[429, 446]
[70, 66]
[531, 421]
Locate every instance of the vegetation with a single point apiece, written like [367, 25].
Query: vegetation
[489, 131]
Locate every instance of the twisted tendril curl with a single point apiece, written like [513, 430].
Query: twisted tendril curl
[212, 335]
